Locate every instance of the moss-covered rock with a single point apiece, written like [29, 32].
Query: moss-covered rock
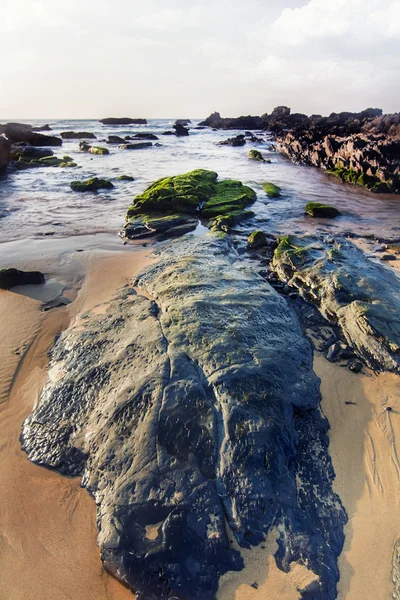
[230, 219]
[228, 196]
[182, 194]
[142, 226]
[91, 185]
[257, 239]
[125, 178]
[272, 190]
[316, 209]
[98, 150]
[256, 155]
[362, 179]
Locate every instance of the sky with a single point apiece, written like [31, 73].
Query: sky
[182, 58]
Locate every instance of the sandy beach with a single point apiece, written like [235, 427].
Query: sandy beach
[48, 546]
[48, 543]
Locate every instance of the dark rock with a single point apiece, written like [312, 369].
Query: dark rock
[333, 352]
[238, 140]
[189, 412]
[91, 185]
[20, 132]
[125, 178]
[30, 152]
[385, 257]
[361, 296]
[355, 366]
[77, 135]
[5, 152]
[181, 131]
[183, 122]
[145, 136]
[42, 128]
[256, 240]
[316, 209]
[9, 278]
[138, 146]
[168, 133]
[123, 121]
[216, 121]
[115, 139]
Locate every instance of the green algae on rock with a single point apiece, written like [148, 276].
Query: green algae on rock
[316, 209]
[24, 162]
[362, 297]
[256, 155]
[229, 195]
[181, 193]
[362, 179]
[272, 190]
[91, 185]
[256, 239]
[196, 193]
[125, 178]
[174, 225]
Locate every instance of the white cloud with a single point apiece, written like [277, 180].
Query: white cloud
[237, 57]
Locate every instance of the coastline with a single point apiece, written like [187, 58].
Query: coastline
[48, 535]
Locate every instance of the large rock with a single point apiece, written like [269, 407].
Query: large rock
[180, 130]
[5, 151]
[361, 296]
[216, 121]
[20, 132]
[10, 278]
[123, 121]
[188, 409]
[197, 194]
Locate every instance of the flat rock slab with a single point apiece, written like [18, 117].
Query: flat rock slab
[363, 297]
[189, 410]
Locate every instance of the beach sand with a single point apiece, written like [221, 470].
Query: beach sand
[48, 537]
[48, 546]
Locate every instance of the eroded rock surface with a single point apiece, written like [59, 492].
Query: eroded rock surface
[363, 297]
[188, 410]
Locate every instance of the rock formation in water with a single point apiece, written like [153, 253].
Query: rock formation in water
[362, 297]
[5, 151]
[22, 133]
[187, 410]
[172, 205]
[77, 135]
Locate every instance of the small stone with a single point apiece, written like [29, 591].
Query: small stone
[355, 366]
[333, 352]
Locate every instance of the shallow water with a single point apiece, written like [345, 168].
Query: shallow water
[35, 203]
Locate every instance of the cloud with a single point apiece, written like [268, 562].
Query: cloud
[229, 55]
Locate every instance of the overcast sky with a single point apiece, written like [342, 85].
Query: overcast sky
[177, 58]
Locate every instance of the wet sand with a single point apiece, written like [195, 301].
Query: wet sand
[48, 538]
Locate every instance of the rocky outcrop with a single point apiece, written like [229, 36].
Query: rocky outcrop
[5, 151]
[77, 135]
[369, 160]
[183, 122]
[137, 146]
[123, 121]
[85, 147]
[144, 136]
[10, 278]
[362, 297]
[216, 121]
[185, 198]
[20, 132]
[186, 409]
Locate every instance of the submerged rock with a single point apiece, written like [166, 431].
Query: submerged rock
[9, 278]
[272, 190]
[138, 146]
[189, 411]
[316, 209]
[125, 178]
[362, 297]
[256, 155]
[91, 185]
[257, 239]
